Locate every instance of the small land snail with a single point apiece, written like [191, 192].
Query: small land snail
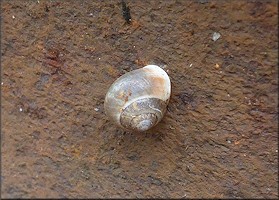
[138, 100]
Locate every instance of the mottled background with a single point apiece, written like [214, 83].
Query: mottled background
[218, 138]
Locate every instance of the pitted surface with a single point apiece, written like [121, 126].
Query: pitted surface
[218, 138]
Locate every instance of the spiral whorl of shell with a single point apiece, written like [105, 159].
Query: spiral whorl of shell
[138, 99]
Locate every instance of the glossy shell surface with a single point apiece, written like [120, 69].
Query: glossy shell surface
[138, 99]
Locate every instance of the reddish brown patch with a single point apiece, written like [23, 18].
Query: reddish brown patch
[126, 98]
[128, 95]
[135, 24]
[53, 63]
[53, 59]
[141, 62]
[158, 84]
[125, 95]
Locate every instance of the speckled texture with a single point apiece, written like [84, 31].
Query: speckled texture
[218, 138]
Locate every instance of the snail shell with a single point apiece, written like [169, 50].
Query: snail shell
[138, 100]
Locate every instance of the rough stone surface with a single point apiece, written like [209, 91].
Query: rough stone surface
[218, 138]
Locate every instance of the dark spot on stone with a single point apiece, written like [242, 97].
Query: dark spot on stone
[36, 135]
[43, 80]
[133, 156]
[155, 180]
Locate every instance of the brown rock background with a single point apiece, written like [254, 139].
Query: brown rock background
[218, 139]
